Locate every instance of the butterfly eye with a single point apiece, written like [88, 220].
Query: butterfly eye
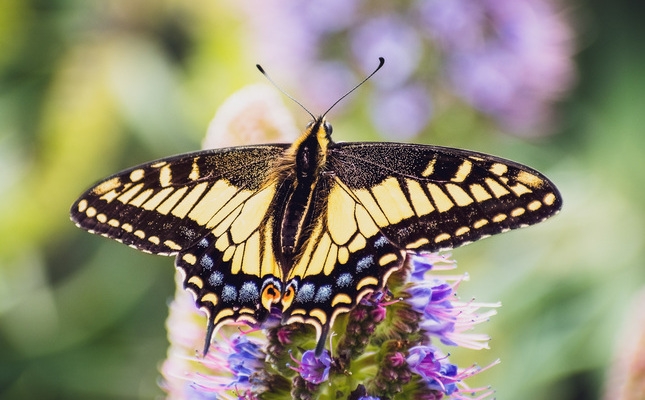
[328, 128]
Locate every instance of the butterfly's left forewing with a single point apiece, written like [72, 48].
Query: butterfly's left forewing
[165, 206]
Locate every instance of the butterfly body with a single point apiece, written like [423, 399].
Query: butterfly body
[302, 166]
[312, 227]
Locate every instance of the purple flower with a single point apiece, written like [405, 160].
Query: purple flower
[377, 300]
[432, 300]
[442, 315]
[314, 369]
[434, 368]
[422, 263]
[245, 358]
[442, 376]
[510, 60]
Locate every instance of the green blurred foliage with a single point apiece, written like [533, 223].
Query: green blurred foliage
[88, 88]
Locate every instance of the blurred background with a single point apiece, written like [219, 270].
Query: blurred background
[88, 88]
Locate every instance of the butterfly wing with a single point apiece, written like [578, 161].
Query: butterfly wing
[382, 200]
[431, 198]
[212, 210]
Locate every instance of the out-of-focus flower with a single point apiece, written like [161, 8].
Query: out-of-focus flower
[626, 377]
[252, 115]
[511, 60]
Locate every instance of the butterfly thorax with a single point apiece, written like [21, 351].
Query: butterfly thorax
[305, 160]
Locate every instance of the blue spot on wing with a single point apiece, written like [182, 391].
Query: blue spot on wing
[229, 293]
[249, 293]
[380, 242]
[306, 293]
[323, 294]
[344, 280]
[364, 263]
[206, 261]
[216, 278]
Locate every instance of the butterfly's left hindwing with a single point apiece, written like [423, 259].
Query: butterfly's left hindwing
[431, 198]
[233, 271]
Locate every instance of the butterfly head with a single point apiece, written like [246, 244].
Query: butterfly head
[320, 124]
[321, 129]
[309, 151]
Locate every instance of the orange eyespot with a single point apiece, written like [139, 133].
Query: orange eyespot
[287, 298]
[270, 295]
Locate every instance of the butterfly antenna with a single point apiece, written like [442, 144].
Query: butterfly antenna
[381, 61]
[259, 67]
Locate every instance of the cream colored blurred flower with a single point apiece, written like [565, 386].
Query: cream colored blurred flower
[254, 114]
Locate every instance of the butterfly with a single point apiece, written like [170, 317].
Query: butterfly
[312, 227]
